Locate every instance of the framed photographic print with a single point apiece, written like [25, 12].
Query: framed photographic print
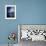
[10, 11]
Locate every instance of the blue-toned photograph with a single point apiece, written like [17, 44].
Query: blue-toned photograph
[10, 11]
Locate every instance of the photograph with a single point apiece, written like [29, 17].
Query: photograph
[10, 11]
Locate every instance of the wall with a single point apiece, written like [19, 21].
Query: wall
[6, 26]
[28, 12]
[31, 11]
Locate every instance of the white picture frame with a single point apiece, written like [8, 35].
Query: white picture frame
[6, 6]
